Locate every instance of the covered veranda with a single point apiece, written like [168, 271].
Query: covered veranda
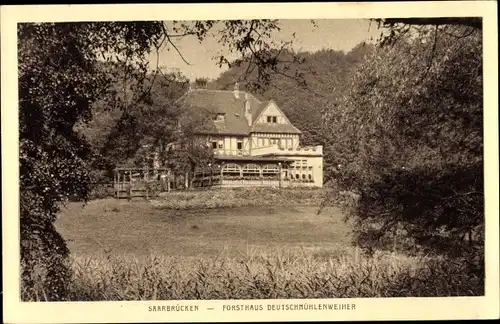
[242, 171]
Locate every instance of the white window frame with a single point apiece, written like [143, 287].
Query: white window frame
[251, 168]
[270, 169]
[231, 167]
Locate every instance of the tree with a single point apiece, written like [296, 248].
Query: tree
[473, 22]
[188, 150]
[63, 72]
[58, 81]
[151, 122]
[408, 137]
[398, 28]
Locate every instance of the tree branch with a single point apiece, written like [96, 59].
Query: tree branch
[473, 22]
[465, 34]
[177, 50]
[431, 58]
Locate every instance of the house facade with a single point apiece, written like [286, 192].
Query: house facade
[254, 142]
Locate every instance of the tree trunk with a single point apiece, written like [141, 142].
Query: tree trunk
[168, 180]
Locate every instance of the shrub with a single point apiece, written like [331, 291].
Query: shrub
[236, 197]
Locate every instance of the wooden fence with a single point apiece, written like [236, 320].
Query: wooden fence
[140, 182]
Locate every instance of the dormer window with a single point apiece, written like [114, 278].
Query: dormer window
[219, 117]
[272, 119]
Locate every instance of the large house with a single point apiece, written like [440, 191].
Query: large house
[254, 143]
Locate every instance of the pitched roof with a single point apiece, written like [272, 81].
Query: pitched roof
[275, 128]
[235, 123]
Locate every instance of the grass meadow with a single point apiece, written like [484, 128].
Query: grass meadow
[236, 244]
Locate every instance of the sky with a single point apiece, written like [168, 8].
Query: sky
[333, 34]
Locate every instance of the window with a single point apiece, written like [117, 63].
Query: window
[275, 141]
[218, 117]
[231, 168]
[239, 145]
[251, 169]
[272, 119]
[221, 144]
[270, 168]
[214, 145]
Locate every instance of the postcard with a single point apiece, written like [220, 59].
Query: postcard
[250, 162]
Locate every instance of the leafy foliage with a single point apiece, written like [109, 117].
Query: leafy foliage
[65, 71]
[152, 123]
[408, 139]
[261, 57]
[59, 79]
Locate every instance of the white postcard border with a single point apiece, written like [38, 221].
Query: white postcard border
[366, 308]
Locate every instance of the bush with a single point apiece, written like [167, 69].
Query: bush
[237, 197]
[438, 210]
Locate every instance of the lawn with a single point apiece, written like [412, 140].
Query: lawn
[143, 228]
[197, 245]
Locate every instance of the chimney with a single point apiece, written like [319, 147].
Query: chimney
[248, 111]
[236, 90]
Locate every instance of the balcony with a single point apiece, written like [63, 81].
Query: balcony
[224, 152]
[275, 149]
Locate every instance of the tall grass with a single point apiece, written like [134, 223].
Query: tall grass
[277, 275]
